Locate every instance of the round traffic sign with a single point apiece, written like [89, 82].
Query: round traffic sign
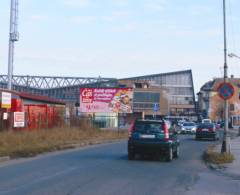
[225, 90]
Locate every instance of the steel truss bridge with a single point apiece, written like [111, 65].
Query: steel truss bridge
[63, 88]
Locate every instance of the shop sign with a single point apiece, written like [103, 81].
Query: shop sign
[6, 100]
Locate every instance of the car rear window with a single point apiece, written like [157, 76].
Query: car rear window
[143, 126]
[205, 125]
[188, 124]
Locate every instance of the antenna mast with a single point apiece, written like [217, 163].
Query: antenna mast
[13, 37]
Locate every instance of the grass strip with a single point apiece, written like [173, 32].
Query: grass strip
[30, 143]
[211, 156]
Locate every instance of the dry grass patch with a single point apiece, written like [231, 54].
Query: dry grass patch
[29, 143]
[214, 157]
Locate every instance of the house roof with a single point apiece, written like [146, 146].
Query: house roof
[29, 96]
[212, 85]
[156, 75]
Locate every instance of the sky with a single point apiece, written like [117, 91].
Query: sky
[121, 38]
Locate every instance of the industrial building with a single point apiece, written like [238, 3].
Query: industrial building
[157, 94]
[178, 84]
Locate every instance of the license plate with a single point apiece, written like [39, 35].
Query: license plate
[147, 136]
[204, 129]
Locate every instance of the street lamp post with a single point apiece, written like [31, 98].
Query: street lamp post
[232, 55]
[226, 139]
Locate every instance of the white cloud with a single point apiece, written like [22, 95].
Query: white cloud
[129, 27]
[83, 19]
[200, 10]
[77, 3]
[187, 32]
[121, 3]
[39, 17]
[155, 6]
[116, 15]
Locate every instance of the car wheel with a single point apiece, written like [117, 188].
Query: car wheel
[170, 155]
[131, 156]
[177, 152]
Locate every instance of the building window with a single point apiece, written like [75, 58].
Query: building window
[146, 97]
[231, 107]
[145, 100]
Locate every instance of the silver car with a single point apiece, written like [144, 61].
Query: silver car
[189, 127]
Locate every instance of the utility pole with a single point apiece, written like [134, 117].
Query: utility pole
[226, 139]
[13, 37]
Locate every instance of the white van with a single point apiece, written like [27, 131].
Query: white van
[206, 120]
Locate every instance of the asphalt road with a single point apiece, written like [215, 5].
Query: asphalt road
[104, 169]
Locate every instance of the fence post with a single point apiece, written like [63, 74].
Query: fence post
[118, 122]
[39, 120]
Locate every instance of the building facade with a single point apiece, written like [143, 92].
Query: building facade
[178, 86]
[212, 106]
[172, 92]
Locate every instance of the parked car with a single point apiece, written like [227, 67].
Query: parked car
[152, 137]
[207, 131]
[189, 127]
[180, 122]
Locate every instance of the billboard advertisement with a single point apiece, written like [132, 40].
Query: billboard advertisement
[106, 100]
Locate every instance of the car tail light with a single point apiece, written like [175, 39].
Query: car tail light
[130, 130]
[166, 132]
[212, 129]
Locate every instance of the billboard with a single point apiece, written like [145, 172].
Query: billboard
[106, 100]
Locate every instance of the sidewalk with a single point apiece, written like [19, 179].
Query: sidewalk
[232, 169]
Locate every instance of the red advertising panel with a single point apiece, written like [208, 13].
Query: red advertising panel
[107, 100]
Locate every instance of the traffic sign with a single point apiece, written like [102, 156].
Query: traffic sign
[225, 90]
[155, 107]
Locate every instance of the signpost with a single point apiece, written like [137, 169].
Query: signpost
[155, 109]
[226, 138]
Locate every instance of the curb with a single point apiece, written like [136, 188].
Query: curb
[4, 158]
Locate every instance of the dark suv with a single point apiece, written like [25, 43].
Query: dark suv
[154, 138]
